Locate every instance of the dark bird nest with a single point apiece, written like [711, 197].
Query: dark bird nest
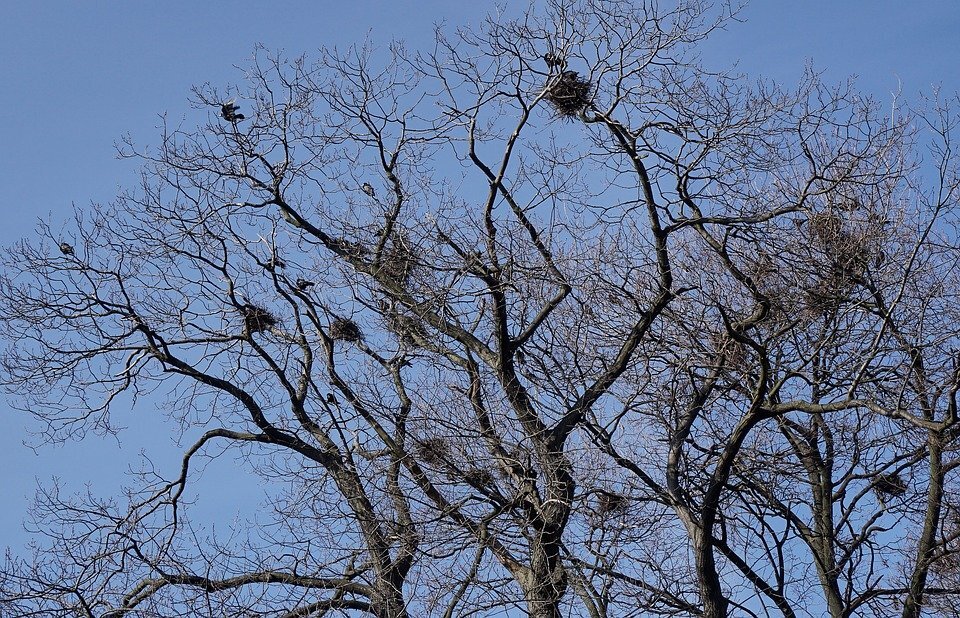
[397, 262]
[826, 295]
[827, 228]
[479, 477]
[432, 451]
[849, 254]
[569, 94]
[610, 503]
[343, 329]
[257, 319]
[890, 484]
[408, 329]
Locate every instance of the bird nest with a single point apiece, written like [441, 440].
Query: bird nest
[479, 477]
[610, 503]
[827, 228]
[397, 261]
[826, 295]
[890, 484]
[257, 319]
[432, 451]
[849, 253]
[408, 329]
[343, 329]
[569, 94]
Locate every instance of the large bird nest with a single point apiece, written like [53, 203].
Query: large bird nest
[397, 261]
[479, 477]
[343, 329]
[408, 329]
[569, 94]
[610, 503]
[849, 252]
[432, 451]
[825, 295]
[257, 319]
[827, 228]
[890, 484]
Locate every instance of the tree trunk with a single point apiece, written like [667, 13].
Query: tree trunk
[927, 544]
[547, 582]
[711, 594]
[388, 604]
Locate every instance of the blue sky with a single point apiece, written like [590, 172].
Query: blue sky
[76, 76]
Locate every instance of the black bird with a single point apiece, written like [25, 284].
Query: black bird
[303, 284]
[332, 399]
[229, 112]
[66, 248]
[554, 60]
[368, 189]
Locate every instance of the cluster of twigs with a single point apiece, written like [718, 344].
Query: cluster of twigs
[343, 329]
[257, 319]
[569, 94]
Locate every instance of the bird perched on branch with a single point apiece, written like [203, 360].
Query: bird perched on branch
[66, 248]
[229, 112]
[555, 60]
[303, 285]
[368, 189]
[289, 217]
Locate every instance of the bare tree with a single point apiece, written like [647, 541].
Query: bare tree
[549, 319]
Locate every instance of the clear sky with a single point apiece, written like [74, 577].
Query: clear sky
[75, 76]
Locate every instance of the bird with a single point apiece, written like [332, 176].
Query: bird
[289, 217]
[66, 248]
[368, 189]
[229, 112]
[332, 399]
[303, 284]
[554, 60]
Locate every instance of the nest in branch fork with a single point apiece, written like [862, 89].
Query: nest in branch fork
[408, 329]
[890, 484]
[343, 329]
[569, 94]
[849, 253]
[257, 319]
[432, 451]
[479, 477]
[397, 261]
[826, 295]
[827, 228]
[609, 503]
